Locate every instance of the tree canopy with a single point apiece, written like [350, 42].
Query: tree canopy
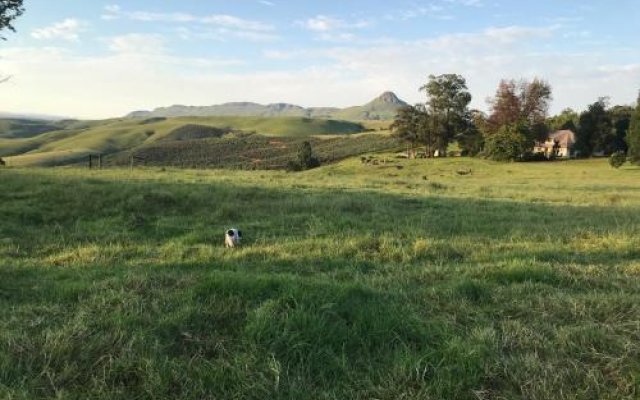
[521, 103]
[447, 105]
[633, 136]
[9, 11]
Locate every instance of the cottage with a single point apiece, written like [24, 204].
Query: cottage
[559, 144]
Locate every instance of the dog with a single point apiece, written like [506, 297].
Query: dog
[232, 238]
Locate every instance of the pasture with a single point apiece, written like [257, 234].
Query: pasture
[415, 279]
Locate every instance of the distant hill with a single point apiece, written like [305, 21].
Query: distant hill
[384, 107]
[64, 142]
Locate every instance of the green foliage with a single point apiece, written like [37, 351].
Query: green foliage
[633, 137]
[566, 120]
[595, 131]
[305, 156]
[9, 11]
[406, 125]
[355, 282]
[617, 159]
[508, 144]
[447, 108]
[522, 104]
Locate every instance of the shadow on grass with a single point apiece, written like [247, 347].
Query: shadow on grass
[275, 319]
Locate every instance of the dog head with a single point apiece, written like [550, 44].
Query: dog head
[232, 237]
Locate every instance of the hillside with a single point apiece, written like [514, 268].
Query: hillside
[241, 151]
[74, 140]
[384, 107]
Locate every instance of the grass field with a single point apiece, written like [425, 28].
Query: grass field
[422, 279]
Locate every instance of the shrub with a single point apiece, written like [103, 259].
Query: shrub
[305, 156]
[508, 144]
[617, 159]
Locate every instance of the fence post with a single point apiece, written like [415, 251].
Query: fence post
[90, 162]
[131, 162]
[99, 161]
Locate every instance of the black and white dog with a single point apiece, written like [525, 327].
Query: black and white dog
[232, 238]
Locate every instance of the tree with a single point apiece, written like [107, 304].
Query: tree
[447, 108]
[633, 136]
[305, 156]
[508, 144]
[407, 126]
[521, 104]
[9, 11]
[470, 139]
[567, 119]
[620, 119]
[595, 130]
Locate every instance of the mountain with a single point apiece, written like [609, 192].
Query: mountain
[383, 107]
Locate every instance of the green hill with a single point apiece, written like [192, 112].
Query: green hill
[76, 139]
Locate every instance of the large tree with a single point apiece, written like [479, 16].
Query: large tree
[621, 119]
[633, 136]
[9, 11]
[518, 113]
[406, 126]
[595, 130]
[523, 104]
[447, 108]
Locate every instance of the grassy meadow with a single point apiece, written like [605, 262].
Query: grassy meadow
[412, 279]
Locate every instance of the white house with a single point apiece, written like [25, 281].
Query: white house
[558, 144]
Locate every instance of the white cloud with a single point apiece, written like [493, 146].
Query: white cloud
[69, 30]
[324, 23]
[113, 12]
[136, 43]
[211, 27]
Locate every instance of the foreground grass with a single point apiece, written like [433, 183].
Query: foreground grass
[402, 280]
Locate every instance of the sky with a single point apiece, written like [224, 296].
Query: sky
[99, 59]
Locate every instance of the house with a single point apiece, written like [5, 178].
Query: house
[559, 144]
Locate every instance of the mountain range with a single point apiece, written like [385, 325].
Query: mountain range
[383, 107]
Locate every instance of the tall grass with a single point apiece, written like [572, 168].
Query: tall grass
[355, 281]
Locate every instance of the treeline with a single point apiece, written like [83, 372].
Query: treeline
[518, 118]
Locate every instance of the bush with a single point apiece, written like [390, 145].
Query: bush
[508, 144]
[617, 159]
[305, 156]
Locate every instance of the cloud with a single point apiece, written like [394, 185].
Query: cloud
[113, 12]
[140, 73]
[266, 3]
[136, 43]
[333, 29]
[68, 30]
[323, 23]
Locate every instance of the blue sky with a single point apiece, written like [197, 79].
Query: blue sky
[95, 59]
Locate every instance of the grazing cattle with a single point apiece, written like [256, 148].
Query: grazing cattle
[232, 238]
